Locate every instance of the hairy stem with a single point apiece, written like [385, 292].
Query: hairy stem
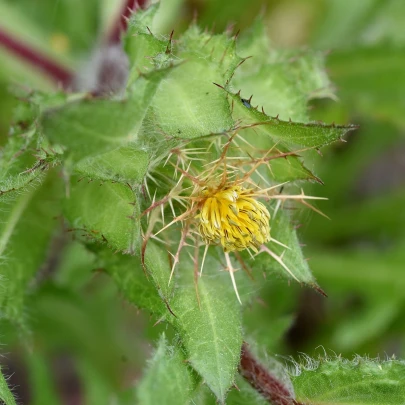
[270, 387]
[58, 73]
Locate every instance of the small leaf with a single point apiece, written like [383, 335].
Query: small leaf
[5, 393]
[358, 382]
[168, 379]
[107, 212]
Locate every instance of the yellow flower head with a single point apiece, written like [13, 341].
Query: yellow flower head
[232, 217]
[218, 203]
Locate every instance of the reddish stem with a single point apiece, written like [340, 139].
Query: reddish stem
[271, 388]
[122, 22]
[60, 74]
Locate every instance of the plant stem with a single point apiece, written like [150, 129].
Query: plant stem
[58, 73]
[270, 387]
[122, 22]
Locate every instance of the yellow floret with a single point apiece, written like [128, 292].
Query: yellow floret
[233, 218]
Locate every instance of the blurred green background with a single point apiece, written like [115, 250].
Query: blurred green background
[79, 330]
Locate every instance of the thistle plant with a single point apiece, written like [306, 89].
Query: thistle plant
[158, 167]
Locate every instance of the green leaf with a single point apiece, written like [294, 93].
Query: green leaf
[281, 81]
[358, 382]
[288, 133]
[157, 264]
[168, 379]
[291, 256]
[25, 157]
[218, 50]
[188, 104]
[282, 139]
[92, 126]
[5, 393]
[26, 228]
[209, 326]
[126, 164]
[107, 212]
[145, 51]
[141, 20]
[137, 287]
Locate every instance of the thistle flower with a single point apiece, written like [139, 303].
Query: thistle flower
[233, 218]
[220, 203]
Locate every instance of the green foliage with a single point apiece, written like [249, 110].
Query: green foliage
[210, 329]
[5, 393]
[95, 207]
[27, 225]
[90, 127]
[294, 267]
[166, 373]
[105, 211]
[338, 381]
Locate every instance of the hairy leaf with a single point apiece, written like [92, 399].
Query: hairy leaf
[137, 287]
[281, 81]
[292, 264]
[145, 51]
[358, 382]
[126, 164]
[209, 324]
[24, 160]
[311, 135]
[5, 393]
[218, 50]
[210, 327]
[26, 229]
[188, 104]
[168, 379]
[92, 126]
[107, 212]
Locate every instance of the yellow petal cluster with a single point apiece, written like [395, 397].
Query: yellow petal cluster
[233, 218]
